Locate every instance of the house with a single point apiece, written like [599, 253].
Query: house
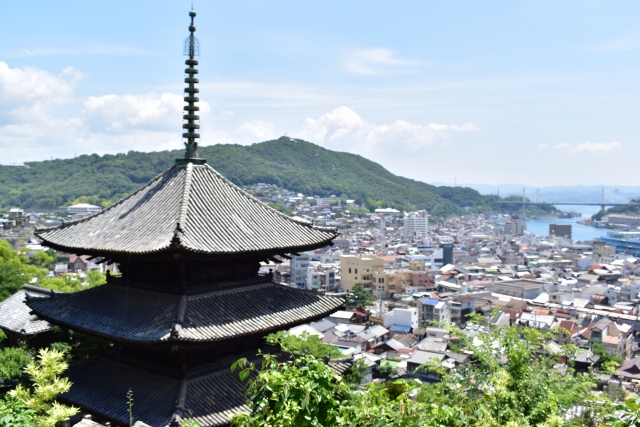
[402, 317]
[19, 324]
[569, 328]
[521, 288]
[79, 263]
[343, 316]
[418, 365]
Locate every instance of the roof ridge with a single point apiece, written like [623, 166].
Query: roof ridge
[257, 201]
[184, 204]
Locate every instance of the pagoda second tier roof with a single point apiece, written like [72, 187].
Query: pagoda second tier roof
[209, 398]
[189, 208]
[148, 317]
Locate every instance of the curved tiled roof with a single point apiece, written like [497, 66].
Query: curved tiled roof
[191, 208]
[15, 315]
[148, 317]
[210, 398]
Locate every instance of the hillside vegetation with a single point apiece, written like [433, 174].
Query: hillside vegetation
[293, 164]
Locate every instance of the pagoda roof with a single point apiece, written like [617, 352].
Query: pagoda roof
[190, 208]
[208, 398]
[145, 316]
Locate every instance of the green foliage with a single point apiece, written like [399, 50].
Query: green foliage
[508, 385]
[385, 369]
[71, 283]
[299, 392]
[606, 359]
[356, 373]
[627, 414]
[304, 344]
[47, 384]
[359, 297]
[289, 163]
[13, 413]
[12, 362]
[76, 345]
[14, 272]
[44, 260]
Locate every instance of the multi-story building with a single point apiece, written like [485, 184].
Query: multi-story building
[359, 269]
[560, 230]
[515, 226]
[82, 210]
[299, 267]
[629, 292]
[416, 227]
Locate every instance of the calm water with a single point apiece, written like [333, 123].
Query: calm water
[579, 232]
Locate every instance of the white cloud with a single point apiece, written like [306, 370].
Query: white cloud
[121, 113]
[227, 114]
[596, 147]
[344, 129]
[585, 147]
[32, 88]
[256, 131]
[375, 61]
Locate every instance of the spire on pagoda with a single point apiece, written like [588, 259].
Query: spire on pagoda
[191, 49]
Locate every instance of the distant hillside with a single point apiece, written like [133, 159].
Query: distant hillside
[293, 164]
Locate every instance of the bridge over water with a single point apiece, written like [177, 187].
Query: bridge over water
[536, 205]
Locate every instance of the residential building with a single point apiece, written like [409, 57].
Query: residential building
[520, 288]
[82, 210]
[515, 226]
[298, 270]
[359, 269]
[415, 227]
[402, 317]
[560, 230]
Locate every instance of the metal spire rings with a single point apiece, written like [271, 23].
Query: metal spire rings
[191, 49]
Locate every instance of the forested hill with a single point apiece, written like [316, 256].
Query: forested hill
[293, 164]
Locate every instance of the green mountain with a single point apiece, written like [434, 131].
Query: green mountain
[293, 164]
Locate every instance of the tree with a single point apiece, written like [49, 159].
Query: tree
[304, 344]
[12, 361]
[509, 384]
[299, 392]
[13, 272]
[47, 384]
[359, 297]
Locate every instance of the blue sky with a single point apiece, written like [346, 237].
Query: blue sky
[534, 92]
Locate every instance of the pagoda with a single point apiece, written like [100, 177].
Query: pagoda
[190, 300]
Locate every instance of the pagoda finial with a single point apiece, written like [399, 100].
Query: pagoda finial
[191, 49]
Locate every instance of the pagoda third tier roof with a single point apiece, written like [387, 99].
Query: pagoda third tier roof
[189, 208]
[148, 317]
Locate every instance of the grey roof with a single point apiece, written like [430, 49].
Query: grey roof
[16, 317]
[145, 316]
[209, 398]
[323, 325]
[420, 357]
[429, 344]
[189, 208]
[99, 384]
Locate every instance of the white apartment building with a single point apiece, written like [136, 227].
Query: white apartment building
[415, 227]
[82, 210]
[402, 317]
[299, 267]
